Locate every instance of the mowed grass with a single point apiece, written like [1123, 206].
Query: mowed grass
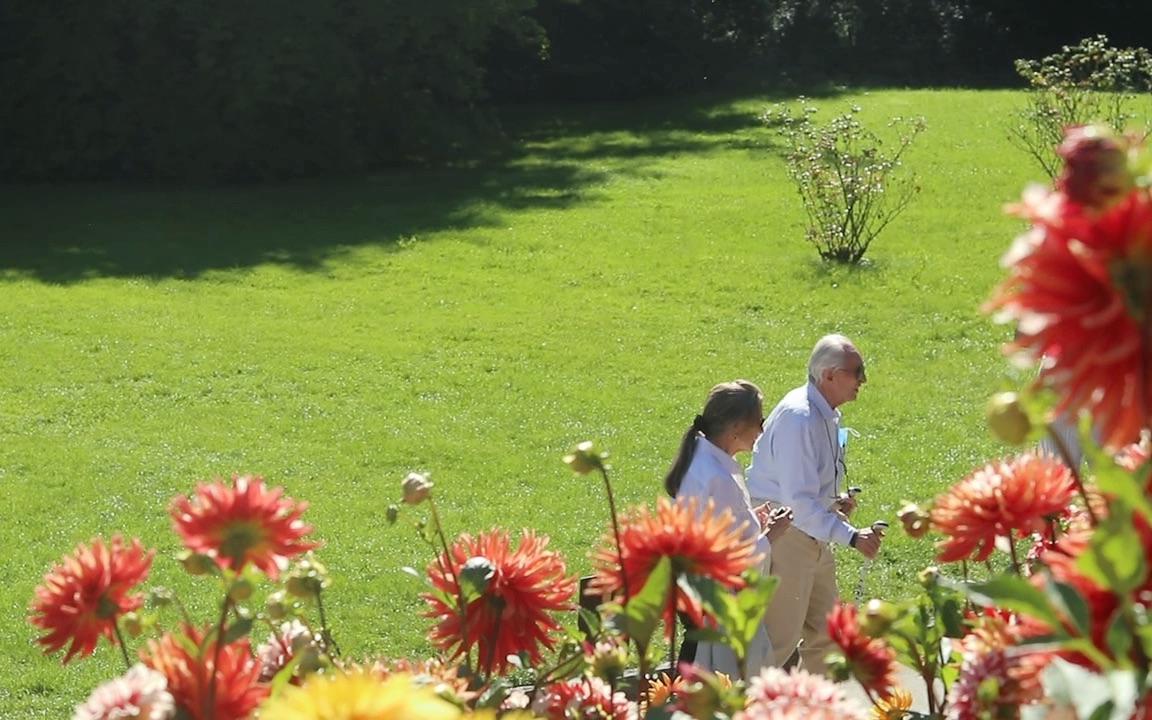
[592, 283]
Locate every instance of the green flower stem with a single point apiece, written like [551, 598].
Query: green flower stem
[123, 647]
[209, 701]
[463, 610]
[329, 641]
[615, 527]
[1012, 554]
[487, 667]
[1066, 457]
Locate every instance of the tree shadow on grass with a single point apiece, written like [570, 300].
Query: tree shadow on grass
[554, 157]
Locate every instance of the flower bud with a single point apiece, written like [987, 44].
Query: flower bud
[306, 578]
[877, 617]
[1007, 418]
[415, 488]
[1095, 172]
[276, 606]
[607, 661]
[914, 520]
[196, 563]
[130, 623]
[391, 514]
[161, 596]
[928, 576]
[584, 458]
[241, 589]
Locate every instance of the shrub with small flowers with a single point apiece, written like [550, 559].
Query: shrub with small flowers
[1038, 607]
[851, 185]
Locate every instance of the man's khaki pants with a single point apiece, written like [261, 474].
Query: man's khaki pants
[804, 596]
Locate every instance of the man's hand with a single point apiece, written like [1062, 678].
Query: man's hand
[844, 505]
[868, 541]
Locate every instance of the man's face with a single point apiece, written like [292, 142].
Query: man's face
[843, 382]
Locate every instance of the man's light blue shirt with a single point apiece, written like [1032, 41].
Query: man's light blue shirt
[798, 462]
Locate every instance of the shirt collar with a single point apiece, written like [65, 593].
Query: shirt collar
[728, 462]
[818, 402]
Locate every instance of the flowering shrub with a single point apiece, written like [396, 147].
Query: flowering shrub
[1038, 609]
[850, 185]
[1091, 81]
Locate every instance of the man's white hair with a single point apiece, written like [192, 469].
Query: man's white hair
[830, 351]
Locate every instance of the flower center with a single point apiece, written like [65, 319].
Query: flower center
[106, 607]
[1132, 278]
[238, 539]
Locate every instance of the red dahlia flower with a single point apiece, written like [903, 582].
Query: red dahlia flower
[207, 682]
[1015, 495]
[994, 681]
[871, 661]
[511, 614]
[697, 541]
[242, 523]
[1080, 291]
[82, 595]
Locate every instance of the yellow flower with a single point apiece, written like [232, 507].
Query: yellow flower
[893, 707]
[357, 695]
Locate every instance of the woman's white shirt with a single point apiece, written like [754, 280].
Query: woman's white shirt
[715, 474]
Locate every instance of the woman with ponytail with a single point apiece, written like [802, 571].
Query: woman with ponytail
[705, 468]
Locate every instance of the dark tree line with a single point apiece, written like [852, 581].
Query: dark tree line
[214, 91]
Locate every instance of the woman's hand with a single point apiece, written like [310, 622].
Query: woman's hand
[774, 521]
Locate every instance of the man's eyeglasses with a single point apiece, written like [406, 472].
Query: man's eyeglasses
[859, 370]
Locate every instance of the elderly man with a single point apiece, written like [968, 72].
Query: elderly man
[799, 461]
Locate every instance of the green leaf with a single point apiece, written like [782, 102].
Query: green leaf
[644, 609]
[284, 675]
[1124, 485]
[1109, 559]
[1068, 600]
[240, 628]
[1119, 638]
[1014, 593]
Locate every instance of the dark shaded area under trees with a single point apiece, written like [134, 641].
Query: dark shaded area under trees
[159, 90]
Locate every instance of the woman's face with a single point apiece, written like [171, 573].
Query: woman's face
[748, 430]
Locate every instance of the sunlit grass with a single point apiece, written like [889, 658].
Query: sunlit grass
[473, 324]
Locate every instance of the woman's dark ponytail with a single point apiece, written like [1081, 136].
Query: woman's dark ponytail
[683, 459]
[727, 403]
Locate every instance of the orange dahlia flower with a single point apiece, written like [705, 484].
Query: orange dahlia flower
[242, 522]
[1013, 495]
[870, 660]
[698, 541]
[207, 682]
[664, 689]
[894, 707]
[1080, 291]
[84, 593]
[511, 613]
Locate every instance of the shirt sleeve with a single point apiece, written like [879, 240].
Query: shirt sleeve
[798, 462]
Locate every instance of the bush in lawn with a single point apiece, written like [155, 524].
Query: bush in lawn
[851, 186]
[1087, 82]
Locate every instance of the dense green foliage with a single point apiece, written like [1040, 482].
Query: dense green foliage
[146, 90]
[222, 91]
[473, 323]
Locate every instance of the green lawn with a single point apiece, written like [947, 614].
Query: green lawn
[591, 281]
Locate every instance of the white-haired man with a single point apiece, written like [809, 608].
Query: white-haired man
[799, 461]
